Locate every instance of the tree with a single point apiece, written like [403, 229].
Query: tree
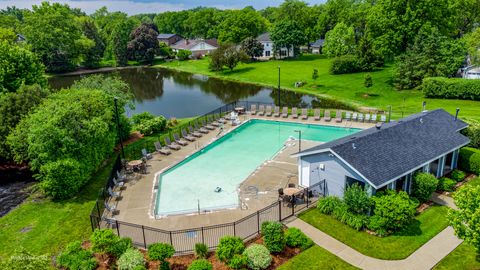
[19, 66]
[367, 56]
[466, 220]
[226, 55]
[287, 34]
[240, 24]
[95, 53]
[472, 41]
[143, 44]
[7, 34]
[302, 14]
[173, 22]
[424, 184]
[55, 36]
[120, 38]
[339, 41]
[200, 22]
[252, 47]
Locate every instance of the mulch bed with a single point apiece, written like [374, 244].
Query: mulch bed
[424, 206]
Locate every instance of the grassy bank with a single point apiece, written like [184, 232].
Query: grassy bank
[348, 88]
[394, 247]
[315, 258]
[463, 257]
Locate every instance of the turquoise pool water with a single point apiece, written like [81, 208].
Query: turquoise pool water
[227, 162]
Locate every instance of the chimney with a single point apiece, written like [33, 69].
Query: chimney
[456, 114]
[424, 106]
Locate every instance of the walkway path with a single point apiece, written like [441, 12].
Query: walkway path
[426, 257]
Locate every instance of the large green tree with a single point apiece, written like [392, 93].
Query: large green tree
[55, 36]
[252, 47]
[302, 14]
[287, 34]
[240, 24]
[93, 55]
[201, 21]
[173, 22]
[339, 41]
[472, 41]
[143, 44]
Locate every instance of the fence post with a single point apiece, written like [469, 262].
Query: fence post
[144, 241]
[307, 194]
[91, 223]
[279, 211]
[118, 230]
[234, 230]
[258, 221]
[171, 240]
[203, 237]
[293, 205]
[98, 209]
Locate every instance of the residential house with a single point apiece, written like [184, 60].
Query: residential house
[471, 72]
[385, 156]
[316, 47]
[169, 39]
[268, 48]
[198, 47]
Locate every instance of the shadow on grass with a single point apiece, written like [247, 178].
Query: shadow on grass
[413, 229]
[237, 71]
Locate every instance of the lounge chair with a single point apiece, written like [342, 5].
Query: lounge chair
[277, 111]
[253, 109]
[327, 116]
[121, 177]
[179, 140]
[374, 117]
[261, 110]
[294, 112]
[285, 112]
[316, 114]
[201, 129]
[338, 116]
[207, 126]
[162, 150]
[213, 122]
[222, 119]
[171, 145]
[367, 117]
[187, 136]
[268, 111]
[112, 193]
[304, 114]
[145, 154]
[360, 117]
[111, 208]
[194, 133]
[348, 116]
[118, 184]
[355, 116]
[383, 118]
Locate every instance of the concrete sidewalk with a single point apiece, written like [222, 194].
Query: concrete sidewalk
[443, 200]
[426, 257]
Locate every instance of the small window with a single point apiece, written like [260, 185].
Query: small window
[267, 53]
[350, 181]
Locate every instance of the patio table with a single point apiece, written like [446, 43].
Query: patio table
[135, 164]
[240, 110]
[290, 191]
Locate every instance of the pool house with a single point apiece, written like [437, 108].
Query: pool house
[385, 156]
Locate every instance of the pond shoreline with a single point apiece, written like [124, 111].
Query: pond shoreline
[14, 187]
[94, 71]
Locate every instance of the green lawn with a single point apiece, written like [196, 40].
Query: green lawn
[393, 247]
[464, 257]
[315, 258]
[474, 182]
[347, 88]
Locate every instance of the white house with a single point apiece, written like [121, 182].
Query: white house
[198, 47]
[471, 72]
[268, 48]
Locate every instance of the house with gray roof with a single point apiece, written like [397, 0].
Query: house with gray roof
[198, 47]
[385, 156]
[316, 47]
[269, 50]
[169, 39]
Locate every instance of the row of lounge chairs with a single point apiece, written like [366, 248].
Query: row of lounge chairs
[349, 116]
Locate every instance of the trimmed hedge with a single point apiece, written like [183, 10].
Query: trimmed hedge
[345, 64]
[453, 88]
[469, 160]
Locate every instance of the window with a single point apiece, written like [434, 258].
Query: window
[350, 181]
[267, 53]
[283, 53]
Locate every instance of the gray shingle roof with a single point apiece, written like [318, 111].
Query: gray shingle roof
[165, 36]
[318, 43]
[381, 155]
[265, 37]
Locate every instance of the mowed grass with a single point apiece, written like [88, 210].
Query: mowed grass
[394, 247]
[348, 88]
[315, 258]
[464, 257]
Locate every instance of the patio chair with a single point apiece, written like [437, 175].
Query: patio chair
[111, 208]
[179, 140]
[201, 129]
[383, 118]
[207, 126]
[213, 122]
[304, 114]
[145, 154]
[268, 111]
[171, 145]
[121, 177]
[221, 119]
[253, 109]
[194, 133]
[162, 150]
[367, 117]
[294, 112]
[285, 112]
[316, 114]
[291, 185]
[113, 194]
[110, 222]
[348, 116]
[360, 117]
[118, 184]
[374, 117]
[277, 111]
[338, 116]
[261, 110]
[187, 136]
[355, 116]
[327, 116]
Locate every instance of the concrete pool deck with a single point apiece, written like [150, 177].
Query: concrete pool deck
[257, 191]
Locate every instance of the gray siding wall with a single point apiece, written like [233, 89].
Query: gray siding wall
[334, 172]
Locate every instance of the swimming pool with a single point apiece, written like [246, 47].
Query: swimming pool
[227, 162]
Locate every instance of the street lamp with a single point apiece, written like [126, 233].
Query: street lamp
[118, 127]
[279, 105]
[299, 140]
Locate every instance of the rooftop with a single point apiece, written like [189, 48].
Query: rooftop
[265, 37]
[165, 36]
[187, 44]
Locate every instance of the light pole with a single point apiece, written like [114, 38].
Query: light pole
[299, 140]
[118, 127]
[279, 105]
[389, 113]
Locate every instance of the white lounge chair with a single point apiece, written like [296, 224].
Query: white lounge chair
[207, 126]
[327, 116]
[304, 114]
[145, 154]
[374, 117]
[112, 193]
[277, 111]
[118, 184]
[162, 150]
[360, 117]
[187, 136]
[194, 133]
[121, 177]
[367, 117]
[268, 112]
[171, 145]
[348, 116]
[201, 129]
[294, 112]
[179, 140]
[355, 116]
[253, 109]
[285, 112]
[383, 118]
[316, 114]
[110, 208]
[261, 110]
[338, 116]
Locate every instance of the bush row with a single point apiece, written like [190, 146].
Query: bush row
[345, 64]
[451, 88]
[469, 160]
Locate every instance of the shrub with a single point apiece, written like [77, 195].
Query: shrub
[393, 210]
[473, 133]
[130, 260]
[147, 124]
[469, 160]
[183, 55]
[356, 221]
[451, 88]
[457, 175]
[273, 236]
[23, 260]
[341, 212]
[424, 184]
[105, 241]
[142, 117]
[367, 81]
[76, 258]
[201, 264]
[296, 238]
[328, 204]
[446, 184]
[356, 198]
[201, 250]
[120, 246]
[238, 261]
[344, 64]
[160, 251]
[258, 257]
[228, 247]
[315, 74]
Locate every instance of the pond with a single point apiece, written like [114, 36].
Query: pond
[180, 94]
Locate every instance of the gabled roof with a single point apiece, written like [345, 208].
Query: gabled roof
[396, 148]
[265, 37]
[318, 43]
[165, 36]
[187, 44]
